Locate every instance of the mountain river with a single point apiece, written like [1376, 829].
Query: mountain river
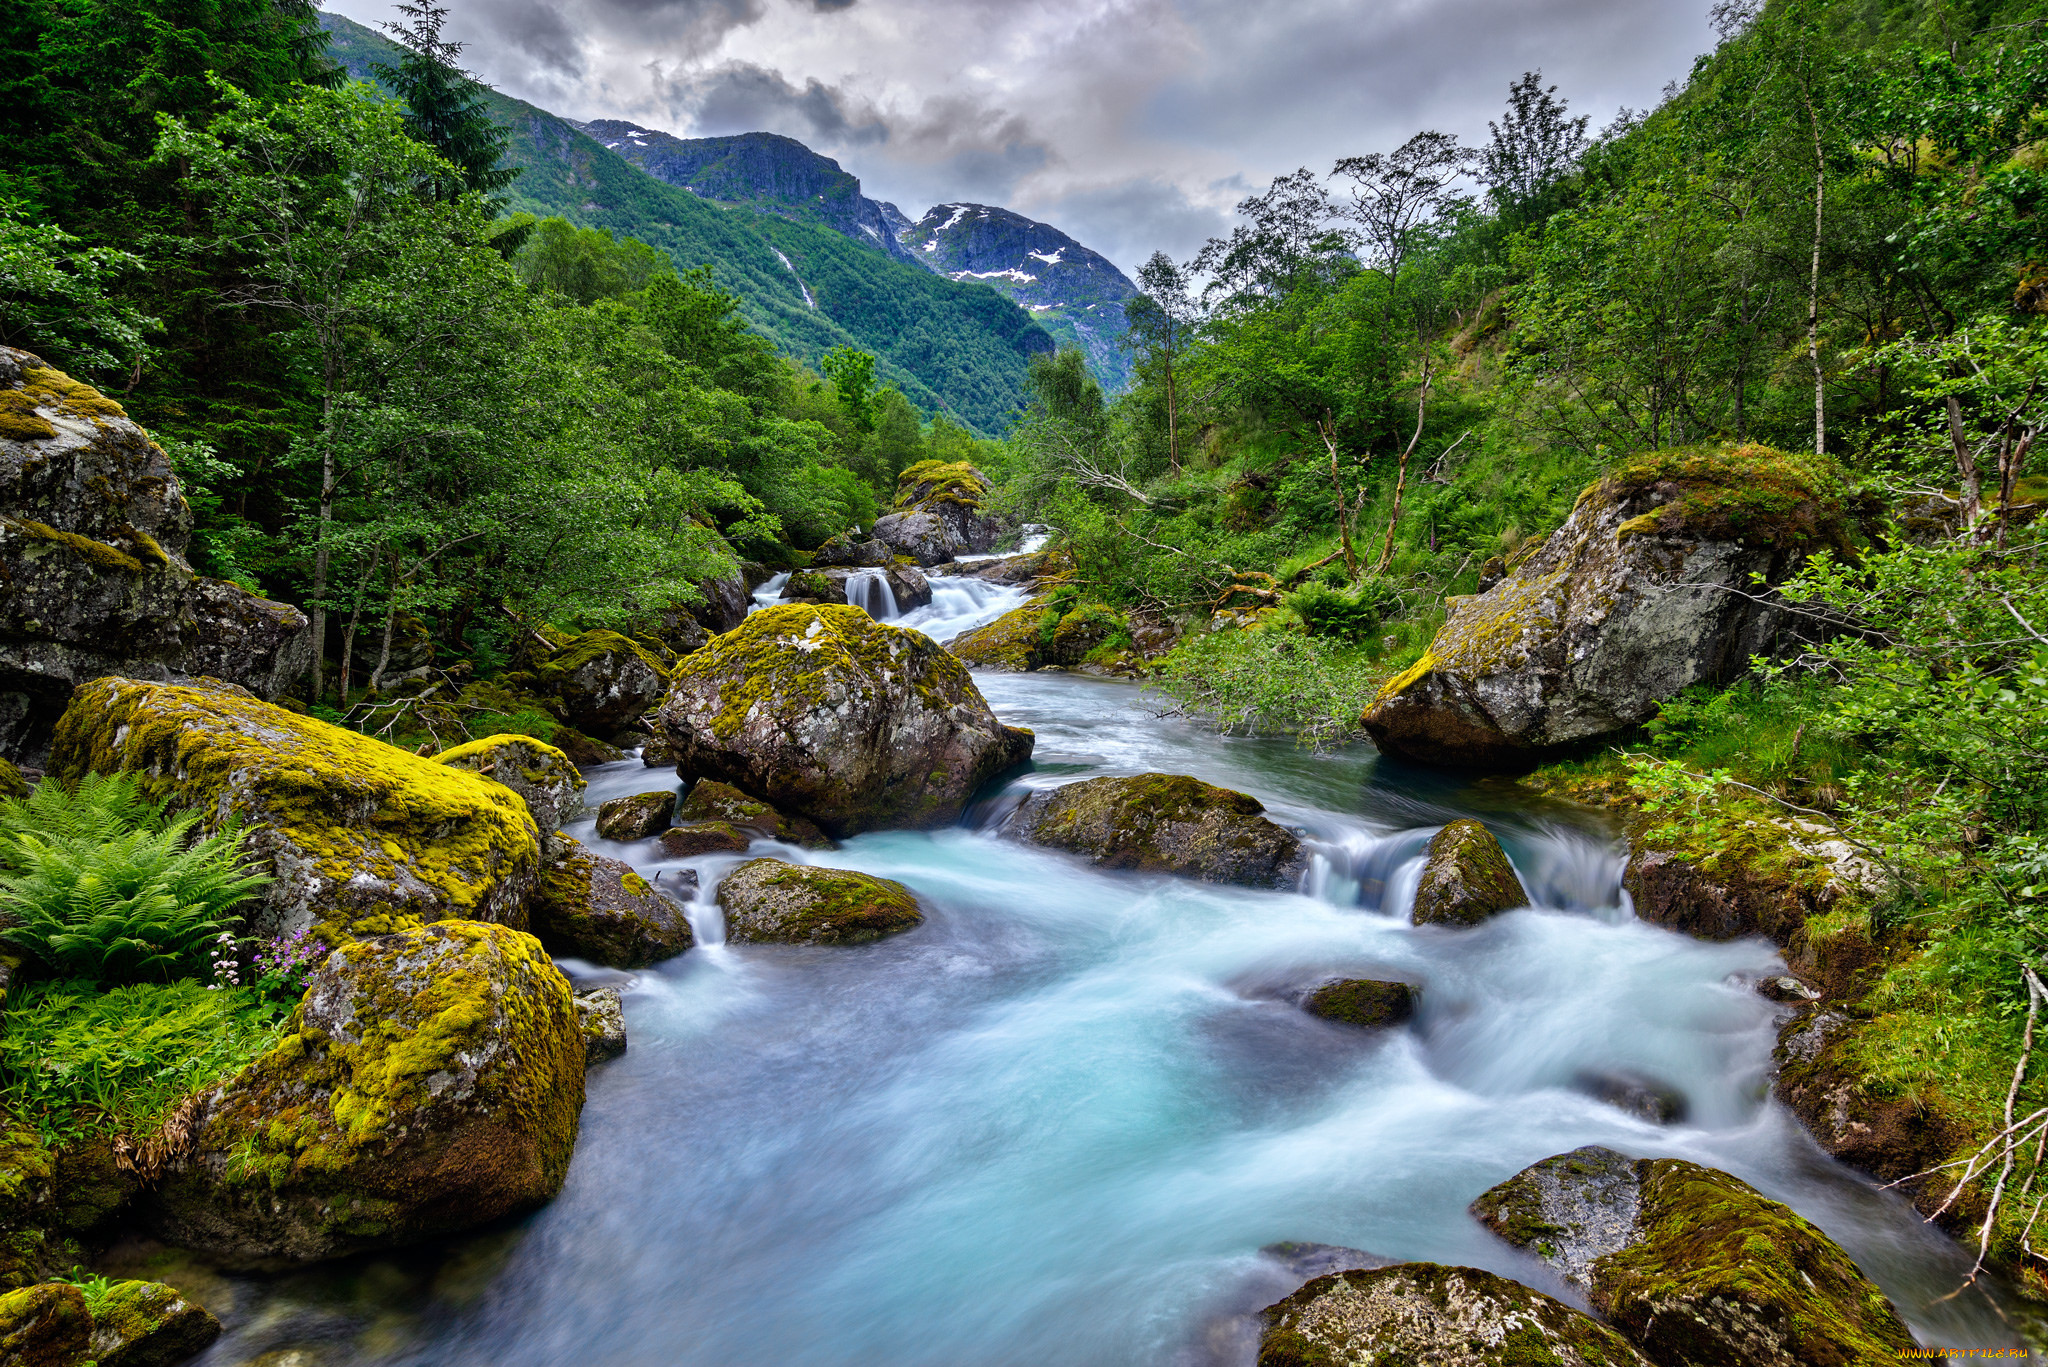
[1057, 1125]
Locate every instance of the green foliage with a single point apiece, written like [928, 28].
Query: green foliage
[1254, 682]
[55, 299]
[100, 884]
[444, 108]
[1349, 616]
[588, 264]
[852, 374]
[75, 1060]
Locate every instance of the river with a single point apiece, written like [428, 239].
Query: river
[1056, 1125]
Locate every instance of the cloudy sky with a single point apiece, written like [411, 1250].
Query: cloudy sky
[1132, 124]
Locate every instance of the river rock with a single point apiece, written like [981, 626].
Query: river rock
[12, 784]
[1645, 1098]
[1362, 1001]
[710, 800]
[604, 681]
[429, 1082]
[1011, 643]
[1466, 879]
[545, 778]
[825, 713]
[1647, 589]
[910, 587]
[689, 839]
[591, 907]
[148, 1324]
[1026, 568]
[1694, 1265]
[726, 602]
[93, 533]
[358, 834]
[1443, 1316]
[844, 551]
[635, 817]
[603, 1020]
[916, 534]
[956, 494]
[45, 1325]
[1165, 823]
[770, 900]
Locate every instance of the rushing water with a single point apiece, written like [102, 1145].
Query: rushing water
[1055, 1126]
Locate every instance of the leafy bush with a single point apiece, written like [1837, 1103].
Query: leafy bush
[74, 1059]
[1264, 682]
[1350, 615]
[101, 884]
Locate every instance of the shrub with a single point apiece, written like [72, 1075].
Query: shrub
[1252, 682]
[1349, 615]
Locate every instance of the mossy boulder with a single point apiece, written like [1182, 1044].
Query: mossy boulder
[1694, 1265]
[1367, 1002]
[93, 532]
[635, 817]
[1466, 879]
[825, 713]
[46, 1325]
[710, 800]
[1164, 823]
[595, 908]
[1011, 643]
[1425, 1313]
[769, 900]
[429, 1082]
[604, 681]
[846, 552]
[725, 602]
[547, 780]
[360, 836]
[12, 784]
[602, 1017]
[1650, 587]
[147, 1324]
[690, 839]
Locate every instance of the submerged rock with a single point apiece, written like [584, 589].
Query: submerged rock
[770, 900]
[710, 800]
[148, 1324]
[1647, 589]
[428, 1083]
[1417, 1313]
[1694, 1265]
[545, 778]
[1644, 1098]
[604, 681]
[603, 1020]
[1467, 878]
[1165, 823]
[595, 908]
[830, 715]
[93, 532]
[45, 1325]
[359, 835]
[1362, 1001]
[635, 817]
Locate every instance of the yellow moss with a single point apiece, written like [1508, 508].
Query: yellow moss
[19, 420]
[96, 553]
[1408, 677]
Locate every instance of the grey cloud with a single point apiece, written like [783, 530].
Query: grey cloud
[738, 97]
[1130, 220]
[540, 31]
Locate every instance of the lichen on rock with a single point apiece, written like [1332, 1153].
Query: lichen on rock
[1365, 1002]
[772, 900]
[429, 1082]
[1425, 1313]
[359, 835]
[545, 778]
[1466, 879]
[148, 1324]
[825, 713]
[1164, 823]
[636, 816]
[592, 907]
[1694, 1265]
[602, 1017]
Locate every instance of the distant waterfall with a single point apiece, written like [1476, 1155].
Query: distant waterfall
[870, 589]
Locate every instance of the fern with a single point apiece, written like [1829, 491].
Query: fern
[101, 884]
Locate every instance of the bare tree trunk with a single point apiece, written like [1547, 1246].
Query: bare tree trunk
[390, 621]
[1820, 183]
[1401, 479]
[1343, 516]
[1972, 479]
[1172, 420]
[320, 554]
[355, 617]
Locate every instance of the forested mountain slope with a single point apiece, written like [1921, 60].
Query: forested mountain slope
[945, 344]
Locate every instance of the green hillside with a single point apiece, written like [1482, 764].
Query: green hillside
[947, 345]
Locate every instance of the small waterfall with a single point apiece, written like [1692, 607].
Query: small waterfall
[959, 605]
[1375, 870]
[1036, 534]
[769, 593]
[869, 590]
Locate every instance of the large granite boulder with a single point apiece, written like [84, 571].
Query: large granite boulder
[148, 1324]
[545, 778]
[726, 602]
[604, 681]
[93, 533]
[939, 513]
[429, 1082]
[592, 907]
[845, 551]
[1466, 879]
[1164, 823]
[1694, 1265]
[775, 901]
[825, 713]
[1417, 1313]
[360, 836]
[1650, 587]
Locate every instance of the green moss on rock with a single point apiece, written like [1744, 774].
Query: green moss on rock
[1011, 643]
[545, 778]
[46, 1325]
[12, 784]
[361, 836]
[637, 816]
[710, 800]
[770, 900]
[1165, 823]
[603, 681]
[1466, 879]
[689, 839]
[1365, 1002]
[147, 1324]
[429, 1082]
[591, 907]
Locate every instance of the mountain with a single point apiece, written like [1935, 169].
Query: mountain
[946, 344]
[1077, 294]
[765, 172]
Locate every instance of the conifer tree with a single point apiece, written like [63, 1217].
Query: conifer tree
[444, 105]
